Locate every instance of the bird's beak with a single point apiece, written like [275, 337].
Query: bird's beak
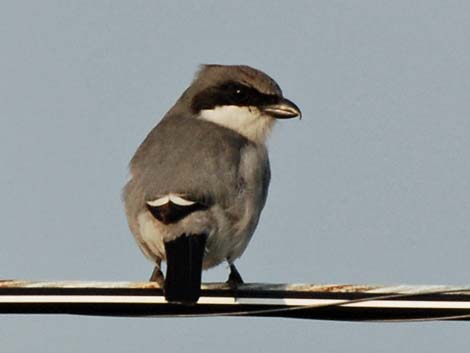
[284, 109]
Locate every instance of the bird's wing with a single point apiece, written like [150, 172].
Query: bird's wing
[186, 164]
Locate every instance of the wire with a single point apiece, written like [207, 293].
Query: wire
[343, 303]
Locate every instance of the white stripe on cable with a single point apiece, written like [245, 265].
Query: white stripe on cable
[110, 299]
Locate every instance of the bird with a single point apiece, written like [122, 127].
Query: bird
[199, 180]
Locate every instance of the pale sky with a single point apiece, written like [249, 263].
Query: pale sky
[372, 186]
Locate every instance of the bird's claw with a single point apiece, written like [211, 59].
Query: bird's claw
[157, 276]
[234, 278]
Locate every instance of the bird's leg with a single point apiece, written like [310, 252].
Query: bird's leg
[157, 274]
[234, 278]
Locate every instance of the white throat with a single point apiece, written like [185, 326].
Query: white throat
[247, 121]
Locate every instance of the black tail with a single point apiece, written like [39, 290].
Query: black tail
[184, 257]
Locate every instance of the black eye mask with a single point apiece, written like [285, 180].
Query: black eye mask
[231, 93]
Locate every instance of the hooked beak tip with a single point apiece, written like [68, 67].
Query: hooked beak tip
[285, 109]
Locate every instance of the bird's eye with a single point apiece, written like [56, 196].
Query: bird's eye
[235, 93]
[238, 94]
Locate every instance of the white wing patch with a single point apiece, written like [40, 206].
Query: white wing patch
[178, 200]
[159, 202]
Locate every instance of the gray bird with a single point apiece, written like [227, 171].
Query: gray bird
[200, 178]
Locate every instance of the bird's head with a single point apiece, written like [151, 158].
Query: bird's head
[240, 98]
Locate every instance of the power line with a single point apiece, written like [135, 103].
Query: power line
[307, 301]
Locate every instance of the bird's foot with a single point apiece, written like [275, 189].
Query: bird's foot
[234, 278]
[157, 276]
